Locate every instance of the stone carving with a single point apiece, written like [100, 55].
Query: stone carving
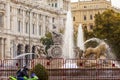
[55, 51]
[98, 51]
[41, 51]
[57, 38]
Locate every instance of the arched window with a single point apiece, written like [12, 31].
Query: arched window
[27, 49]
[19, 49]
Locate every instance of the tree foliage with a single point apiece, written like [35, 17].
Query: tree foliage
[107, 26]
[40, 71]
[47, 41]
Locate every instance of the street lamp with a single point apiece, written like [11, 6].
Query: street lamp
[29, 28]
[29, 24]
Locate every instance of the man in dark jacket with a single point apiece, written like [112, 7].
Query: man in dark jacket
[23, 72]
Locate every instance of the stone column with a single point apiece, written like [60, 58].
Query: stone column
[14, 48]
[23, 23]
[30, 22]
[50, 24]
[8, 15]
[7, 47]
[43, 25]
[37, 25]
[15, 21]
[1, 49]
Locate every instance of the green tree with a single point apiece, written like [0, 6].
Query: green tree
[47, 41]
[107, 26]
[41, 72]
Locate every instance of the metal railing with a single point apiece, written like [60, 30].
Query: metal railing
[69, 69]
[10, 66]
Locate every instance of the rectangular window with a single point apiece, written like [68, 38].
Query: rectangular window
[18, 11]
[26, 30]
[53, 19]
[33, 29]
[54, 27]
[91, 17]
[91, 26]
[33, 13]
[55, 4]
[85, 18]
[39, 29]
[27, 13]
[1, 20]
[19, 25]
[85, 6]
[10, 9]
[39, 16]
[52, 5]
[73, 18]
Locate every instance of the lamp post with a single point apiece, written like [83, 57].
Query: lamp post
[30, 24]
[29, 28]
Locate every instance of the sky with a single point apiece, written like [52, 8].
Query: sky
[115, 3]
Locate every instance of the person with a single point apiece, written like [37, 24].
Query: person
[23, 72]
[33, 76]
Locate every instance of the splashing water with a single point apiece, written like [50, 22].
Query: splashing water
[109, 53]
[12, 61]
[68, 38]
[93, 39]
[70, 65]
[24, 54]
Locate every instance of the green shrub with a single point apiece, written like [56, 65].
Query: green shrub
[41, 72]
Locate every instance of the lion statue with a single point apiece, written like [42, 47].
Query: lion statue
[98, 51]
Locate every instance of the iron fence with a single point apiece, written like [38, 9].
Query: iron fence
[69, 69]
[9, 67]
[48, 64]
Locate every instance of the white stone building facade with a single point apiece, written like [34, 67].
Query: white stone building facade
[24, 22]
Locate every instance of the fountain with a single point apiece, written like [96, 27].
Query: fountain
[79, 67]
[68, 38]
[80, 38]
[68, 43]
[108, 53]
[93, 39]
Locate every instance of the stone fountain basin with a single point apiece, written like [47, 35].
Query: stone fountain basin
[48, 64]
[84, 74]
[62, 64]
[100, 63]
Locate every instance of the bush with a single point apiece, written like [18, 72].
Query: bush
[41, 72]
